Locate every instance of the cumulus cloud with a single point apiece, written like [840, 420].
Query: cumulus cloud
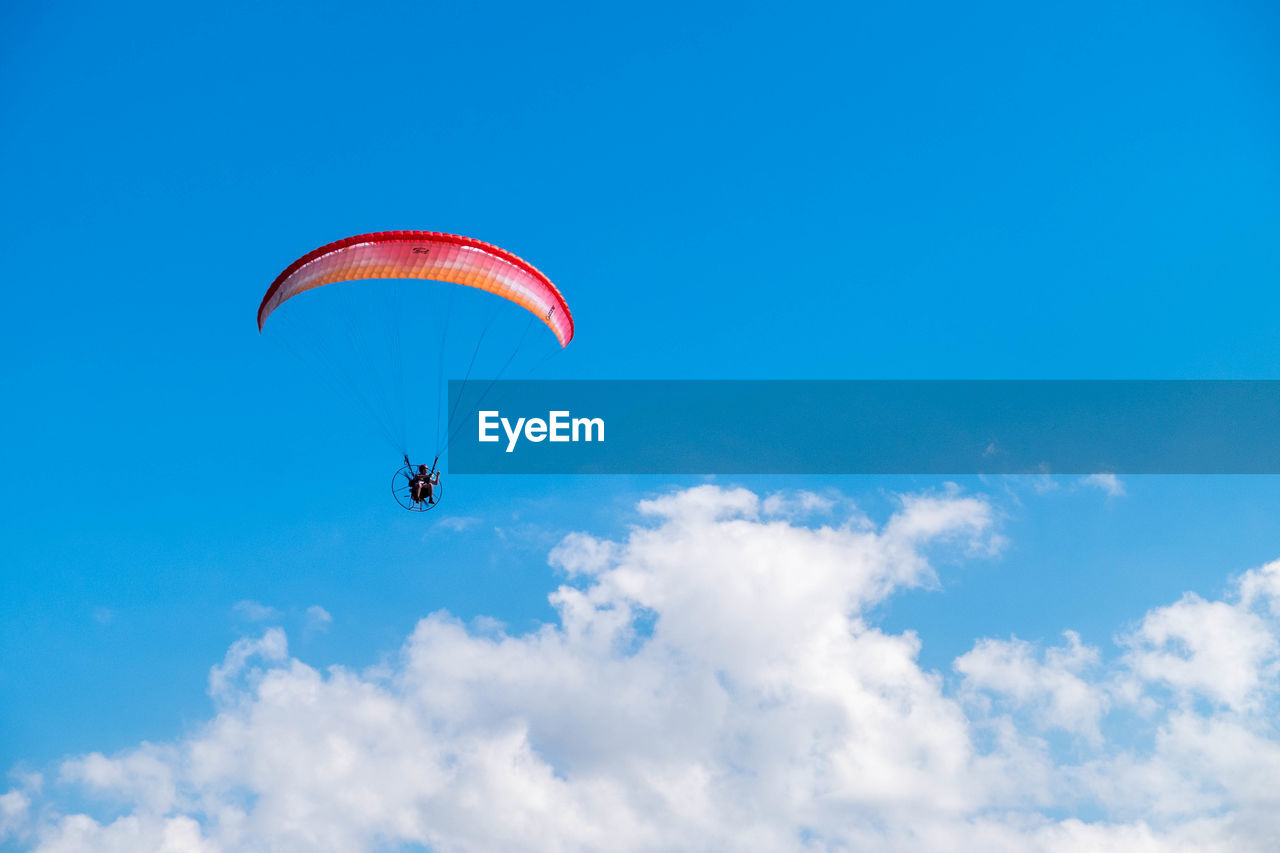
[712, 683]
[1054, 685]
[1212, 650]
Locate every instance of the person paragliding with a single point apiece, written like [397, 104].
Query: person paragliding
[417, 487]
[422, 485]
[428, 256]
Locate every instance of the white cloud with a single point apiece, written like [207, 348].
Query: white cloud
[318, 619]
[580, 554]
[702, 504]
[272, 647]
[1108, 483]
[254, 611]
[796, 505]
[711, 684]
[1056, 689]
[1213, 650]
[1261, 588]
[130, 834]
[456, 523]
[14, 807]
[1043, 484]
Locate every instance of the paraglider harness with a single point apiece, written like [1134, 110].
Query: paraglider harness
[419, 490]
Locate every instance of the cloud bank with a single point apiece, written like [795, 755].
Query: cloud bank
[712, 684]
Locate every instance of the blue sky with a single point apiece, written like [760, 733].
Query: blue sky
[721, 191]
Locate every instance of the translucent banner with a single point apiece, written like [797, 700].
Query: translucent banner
[865, 427]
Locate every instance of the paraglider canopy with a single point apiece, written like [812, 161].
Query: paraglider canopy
[425, 255]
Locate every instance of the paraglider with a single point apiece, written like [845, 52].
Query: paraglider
[416, 491]
[426, 256]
